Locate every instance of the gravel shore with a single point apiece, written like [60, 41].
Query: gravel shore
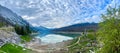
[60, 47]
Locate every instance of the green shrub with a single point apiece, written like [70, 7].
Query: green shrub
[83, 44]
[109, 32]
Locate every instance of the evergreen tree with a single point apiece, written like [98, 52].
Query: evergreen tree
[22, 30]
[28, 28]
[17, 29]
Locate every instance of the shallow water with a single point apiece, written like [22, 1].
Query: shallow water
[54, 38]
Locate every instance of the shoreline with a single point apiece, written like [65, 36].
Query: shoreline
[49, 47]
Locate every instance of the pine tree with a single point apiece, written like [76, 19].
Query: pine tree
[17, 29]
[28, 29]
[22, 30]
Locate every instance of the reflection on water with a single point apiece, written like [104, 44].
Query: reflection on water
[54, 38]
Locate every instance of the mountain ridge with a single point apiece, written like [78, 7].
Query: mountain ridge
[9, 16]
[78, 27]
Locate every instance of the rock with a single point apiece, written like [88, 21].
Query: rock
[1, 42]
[10, 37]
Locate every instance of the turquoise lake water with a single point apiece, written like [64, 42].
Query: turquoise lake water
[54, 38]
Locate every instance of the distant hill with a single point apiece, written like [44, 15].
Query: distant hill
[78, 28]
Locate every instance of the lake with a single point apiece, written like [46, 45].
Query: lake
[56, 37]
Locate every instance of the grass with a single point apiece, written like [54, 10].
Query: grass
[12, 48]
[26, 38]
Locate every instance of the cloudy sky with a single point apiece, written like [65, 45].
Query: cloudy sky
[59, 13]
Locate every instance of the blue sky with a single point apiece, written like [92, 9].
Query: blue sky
[59, 13]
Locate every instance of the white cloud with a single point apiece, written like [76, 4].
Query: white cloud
[34, 24]
[28, 18]
[58, 13]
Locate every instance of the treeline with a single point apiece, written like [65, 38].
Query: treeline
[22, 30]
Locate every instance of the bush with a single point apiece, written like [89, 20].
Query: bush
[109, 32]
[83, 44]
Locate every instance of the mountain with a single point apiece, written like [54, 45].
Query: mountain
[78, 28]
[41, 29]
[11, 18]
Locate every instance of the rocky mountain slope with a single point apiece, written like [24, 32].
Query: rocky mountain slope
[7, 34]
[11, 18]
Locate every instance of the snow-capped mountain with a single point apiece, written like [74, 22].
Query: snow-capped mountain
[12, 18]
